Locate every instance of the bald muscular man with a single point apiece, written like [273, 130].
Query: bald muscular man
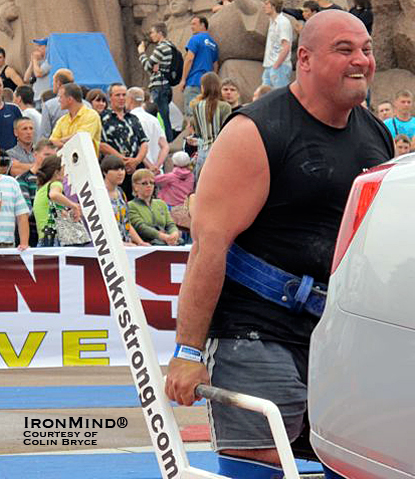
[273, 191]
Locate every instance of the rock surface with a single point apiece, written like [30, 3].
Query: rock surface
[239, 28]
[36, 19]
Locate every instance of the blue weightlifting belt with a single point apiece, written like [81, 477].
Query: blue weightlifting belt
[274, 284]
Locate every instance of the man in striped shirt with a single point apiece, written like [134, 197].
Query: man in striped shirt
[12, 208]
[157, 65]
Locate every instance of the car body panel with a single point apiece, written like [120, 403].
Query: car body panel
[362, 356]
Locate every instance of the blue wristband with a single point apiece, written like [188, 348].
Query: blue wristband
[188, 353]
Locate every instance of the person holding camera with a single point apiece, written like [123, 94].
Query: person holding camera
[13, 208]
[37, 73]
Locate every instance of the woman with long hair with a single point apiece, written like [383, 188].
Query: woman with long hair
[49, 180]
[209, 114]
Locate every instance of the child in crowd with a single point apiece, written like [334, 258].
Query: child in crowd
[151, 216]
[113, 169]
[177, 185]
[402, 144]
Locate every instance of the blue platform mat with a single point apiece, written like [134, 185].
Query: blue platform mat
[106, 466]
[71, 397]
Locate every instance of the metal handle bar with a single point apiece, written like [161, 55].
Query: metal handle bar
[265, 407]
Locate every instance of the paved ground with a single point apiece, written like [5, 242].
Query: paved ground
[134, 435]
[121, 453]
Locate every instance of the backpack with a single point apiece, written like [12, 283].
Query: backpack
[175, 71]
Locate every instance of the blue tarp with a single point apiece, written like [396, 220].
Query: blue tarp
[87, 55]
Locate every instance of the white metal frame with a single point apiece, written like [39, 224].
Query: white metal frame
[85, 177]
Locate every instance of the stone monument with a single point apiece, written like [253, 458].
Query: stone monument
[239, 28]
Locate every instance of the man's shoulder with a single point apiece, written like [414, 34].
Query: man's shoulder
[199, 38]
[366, 121]
[26, 177]
[51, 103]
[141, 114]
[410, 122]
[11, 108]
[165, 45]
[193, 41]
[333, 6]
[22, 178]
[144, 116]
[62, 120]
[131, 118]
[16, 148]
[87, 112]
[270, 101]
[367, 115]
[45, 65]
[106, 115]
[9, 181]
[32, 113]
[282, 19]
[208, 40]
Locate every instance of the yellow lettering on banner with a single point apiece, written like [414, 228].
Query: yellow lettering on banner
[73, 347]
[27, 353]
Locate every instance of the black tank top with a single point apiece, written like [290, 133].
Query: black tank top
[7, 82]
[312, 168]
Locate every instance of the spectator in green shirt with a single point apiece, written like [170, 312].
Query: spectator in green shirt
[150, 216]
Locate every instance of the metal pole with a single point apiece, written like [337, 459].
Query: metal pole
[265, 407]
[85, 177]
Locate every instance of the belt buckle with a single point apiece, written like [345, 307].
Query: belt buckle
[299, 298]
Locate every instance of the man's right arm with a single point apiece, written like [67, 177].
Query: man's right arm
[40, 68]
[18, 168]
[29, 71]
[164, 151]
[229, 177]
[107, 149]
[104, 147]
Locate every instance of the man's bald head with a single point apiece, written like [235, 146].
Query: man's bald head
[335, 65]
[62, 77]
[135, 98]
[136, 93]
[326, 23]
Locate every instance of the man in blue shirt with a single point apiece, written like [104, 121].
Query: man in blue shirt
[201, 57]
[8, 113]
[403, 122]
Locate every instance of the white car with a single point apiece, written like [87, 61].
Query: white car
[362, 360]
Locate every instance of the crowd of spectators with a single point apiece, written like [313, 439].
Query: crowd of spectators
[132, 129]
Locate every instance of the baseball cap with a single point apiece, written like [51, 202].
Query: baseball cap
[40, 41]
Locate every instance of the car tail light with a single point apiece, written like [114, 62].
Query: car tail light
[364, 190]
